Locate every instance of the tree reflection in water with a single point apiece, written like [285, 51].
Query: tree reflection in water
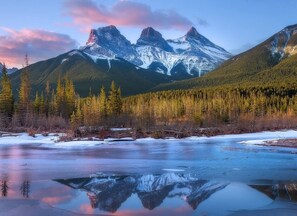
[4, 188]
[25, 189]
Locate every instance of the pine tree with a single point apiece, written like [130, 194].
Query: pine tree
[69, 97]
[114, 100]
[103, 103]
[60, 97]
[24, 94]
[76, 117]
[47, 99]
[65, 97]
[119, 101]
[6, 99]
[37, 103]
[41, 104]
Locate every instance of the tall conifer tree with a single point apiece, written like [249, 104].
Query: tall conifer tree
[6, 98]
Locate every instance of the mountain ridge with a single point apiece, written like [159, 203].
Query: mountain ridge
[9, 70]
[256, 65]
[195, 56]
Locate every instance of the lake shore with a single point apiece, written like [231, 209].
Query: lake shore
[281, 138]
[102, 133]
[287, 143]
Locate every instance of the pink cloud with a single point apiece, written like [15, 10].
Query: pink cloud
[38, 44]
[86, 13]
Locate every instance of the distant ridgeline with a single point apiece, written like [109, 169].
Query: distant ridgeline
[272, 62]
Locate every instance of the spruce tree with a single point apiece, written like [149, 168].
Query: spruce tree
[6, 99]
[60, 97]
[41, 104]
[114, 100]
[69, 97]
[103, 103]
[47, 99]
[24, 94]
[37, 103]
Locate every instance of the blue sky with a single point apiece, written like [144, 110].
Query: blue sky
[235, 25]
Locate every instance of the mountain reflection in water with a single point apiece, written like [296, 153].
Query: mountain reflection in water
[108, 193]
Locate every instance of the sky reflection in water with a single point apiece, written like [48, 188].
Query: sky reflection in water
[206, 177]
[168, 193]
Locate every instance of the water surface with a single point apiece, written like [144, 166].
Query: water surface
[216, 176]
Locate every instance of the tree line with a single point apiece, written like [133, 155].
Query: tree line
[248, 108]
[54, 109]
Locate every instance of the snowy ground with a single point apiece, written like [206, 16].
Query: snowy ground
[52, 140]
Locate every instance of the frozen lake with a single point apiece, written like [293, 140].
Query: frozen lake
[223, 175]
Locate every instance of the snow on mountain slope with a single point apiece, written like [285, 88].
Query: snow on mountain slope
[191, 55]
[284, 42]
[110, 43]
[197, 53]
[151, 37]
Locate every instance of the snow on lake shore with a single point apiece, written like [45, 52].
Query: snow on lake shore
[52, 140]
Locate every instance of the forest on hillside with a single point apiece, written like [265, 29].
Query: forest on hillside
[225, 109]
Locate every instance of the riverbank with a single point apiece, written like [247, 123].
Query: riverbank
[287, 143]
[285, 138]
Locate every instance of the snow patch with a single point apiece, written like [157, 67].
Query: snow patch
[256, 142]
[109, 64]
[64, 60]
[75, 52]
[120, 129]
[24, 138]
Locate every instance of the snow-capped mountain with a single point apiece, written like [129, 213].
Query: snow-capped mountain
[198, 53]
[108, 42]
[150, 37]
[9, 70]
[190, 55]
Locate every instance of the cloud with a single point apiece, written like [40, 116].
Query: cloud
[86, 13]
[38, 44]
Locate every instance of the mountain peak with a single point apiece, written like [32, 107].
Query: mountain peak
[291, 27]
[151, 37]
[192, 33]
[149, 32]
[92, 37]
[107, 32]
[185, 56]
